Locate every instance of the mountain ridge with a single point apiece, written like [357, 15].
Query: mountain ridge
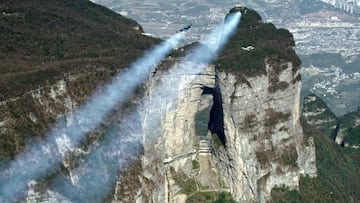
[69, 86]
[40, 39]
[54, 54]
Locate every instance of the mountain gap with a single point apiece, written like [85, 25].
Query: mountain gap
[202, 116]
[216, 119]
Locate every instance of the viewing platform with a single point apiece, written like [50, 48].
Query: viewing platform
[205, 146]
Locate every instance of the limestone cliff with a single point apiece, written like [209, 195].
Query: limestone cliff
[261, 144]
[253, 142]
[264, 140]
[256, 138]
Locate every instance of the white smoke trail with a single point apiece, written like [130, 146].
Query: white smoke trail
[99, 171]
[41, 157]
[194, 63]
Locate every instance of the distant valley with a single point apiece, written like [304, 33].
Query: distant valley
[322, 30]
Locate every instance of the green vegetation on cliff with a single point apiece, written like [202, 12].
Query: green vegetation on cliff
[43, 42]
[211, 197]
[253, 43]
[338, 174]
[40, 40]
[318, 114]
[338, 167]
[349, 124]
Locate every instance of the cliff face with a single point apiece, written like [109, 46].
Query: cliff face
[257, 141]
[250, 97]
[53, 56]
[349, 128]
[343, 130]
[170, 163]
[254, 129]
[317, 114]
[264, 139]
[30, 114]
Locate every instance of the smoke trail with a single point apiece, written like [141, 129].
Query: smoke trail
[98, 173]
[43, 156]
[193, 64]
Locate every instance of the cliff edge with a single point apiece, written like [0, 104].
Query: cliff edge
[250, 100]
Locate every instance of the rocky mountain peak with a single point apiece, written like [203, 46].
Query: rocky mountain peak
[250, 101]
[255, 42]
[253, 140]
